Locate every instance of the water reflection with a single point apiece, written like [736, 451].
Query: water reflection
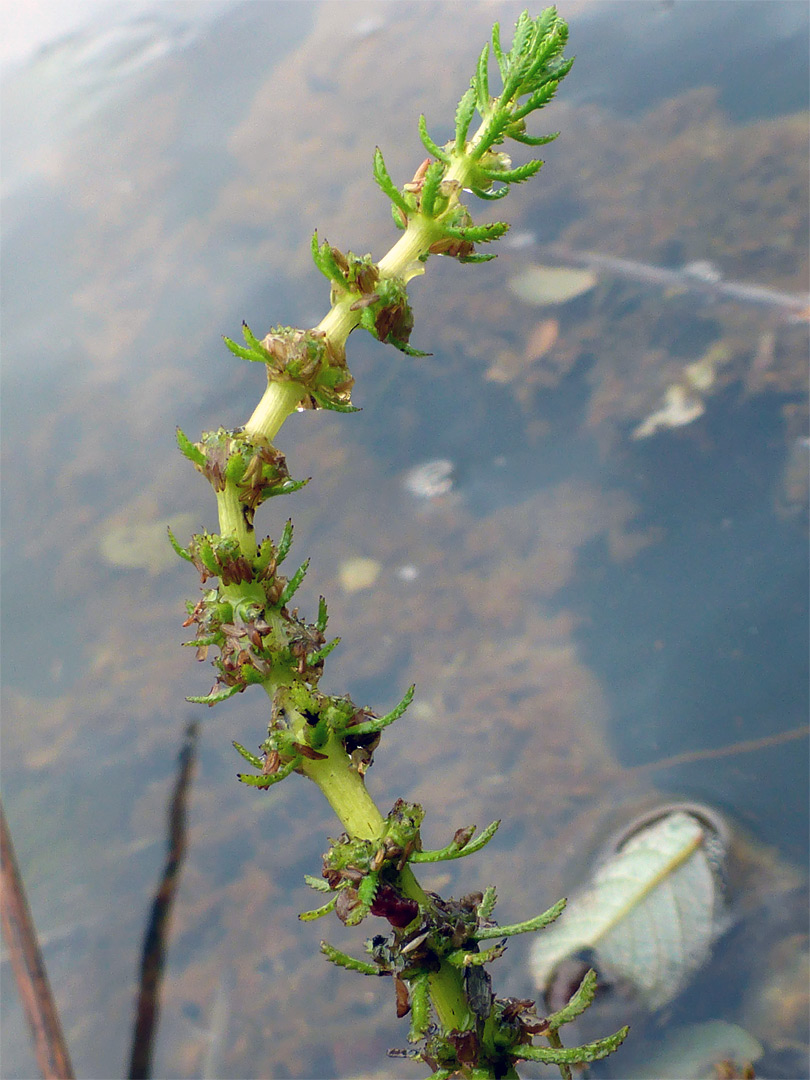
[579, 605]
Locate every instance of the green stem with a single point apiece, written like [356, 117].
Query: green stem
[402, 260]
[345, 791]
[279, 400]
[232, 521]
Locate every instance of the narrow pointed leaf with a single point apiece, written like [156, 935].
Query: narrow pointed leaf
[318, 913]
[431, 147]
[577, 1004]
[527, 927]
[513, 176]
[464, 114]
[458, 851]
[181, 551]
[380, 722]
[318, 884]
[284, 543]
[531, 140]
[292, 585]
[215, 696]
[254, 759]
[387, 184]
[482, 81]
[268, 781]
[345, 961]
[189, 450]
[572, 1055]
[430, 188]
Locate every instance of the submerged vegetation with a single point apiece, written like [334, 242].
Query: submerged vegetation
[437, 950]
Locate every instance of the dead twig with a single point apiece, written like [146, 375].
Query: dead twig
[29, 968]
[154, 944]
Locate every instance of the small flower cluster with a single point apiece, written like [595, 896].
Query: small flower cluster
[308, 358]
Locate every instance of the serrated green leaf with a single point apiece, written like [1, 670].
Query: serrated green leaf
[387, 184]
[490, 196]
[527, 927]
[481, 81]
[181, 551]
[380, 722]
[572, 1055]
[529, 140]
[292, 585]
[318, 913]
[189, 449]
[255, 761]
[459, 851]
[500, 56]
[323, 401]
[465, 958]
[404, 347]
[478, 234]
[245, 354]
[206, 554]
[513, 176]
[430, 188]
[578, 1003]
[464, 114]
[287, 487]
[345, 961]
[536, 101]
[252, 341]
[271, 779]
[318, 884]
[325, 261]
[428, 143]
[321, 621]
[321, 654]
[215, 696]
[488, 901]
[419, 987]
[285, 543]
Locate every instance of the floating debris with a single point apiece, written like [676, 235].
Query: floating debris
[143, 545]
[700, 275]
[542, 338]
[542, 285]
[683, 400]
[703, 270]
[680, 407]
[431, 480]
[358, 573]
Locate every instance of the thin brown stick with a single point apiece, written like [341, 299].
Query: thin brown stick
[747, 746]
[690, 757]
[28, 966]
[147, 1011]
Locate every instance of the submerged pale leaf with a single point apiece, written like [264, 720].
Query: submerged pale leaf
[551, 284]
[142, 545]
[650, 914]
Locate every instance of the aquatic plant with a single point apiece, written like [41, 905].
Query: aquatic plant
[437, 950]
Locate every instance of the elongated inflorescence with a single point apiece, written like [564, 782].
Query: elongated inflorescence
[437, 951]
